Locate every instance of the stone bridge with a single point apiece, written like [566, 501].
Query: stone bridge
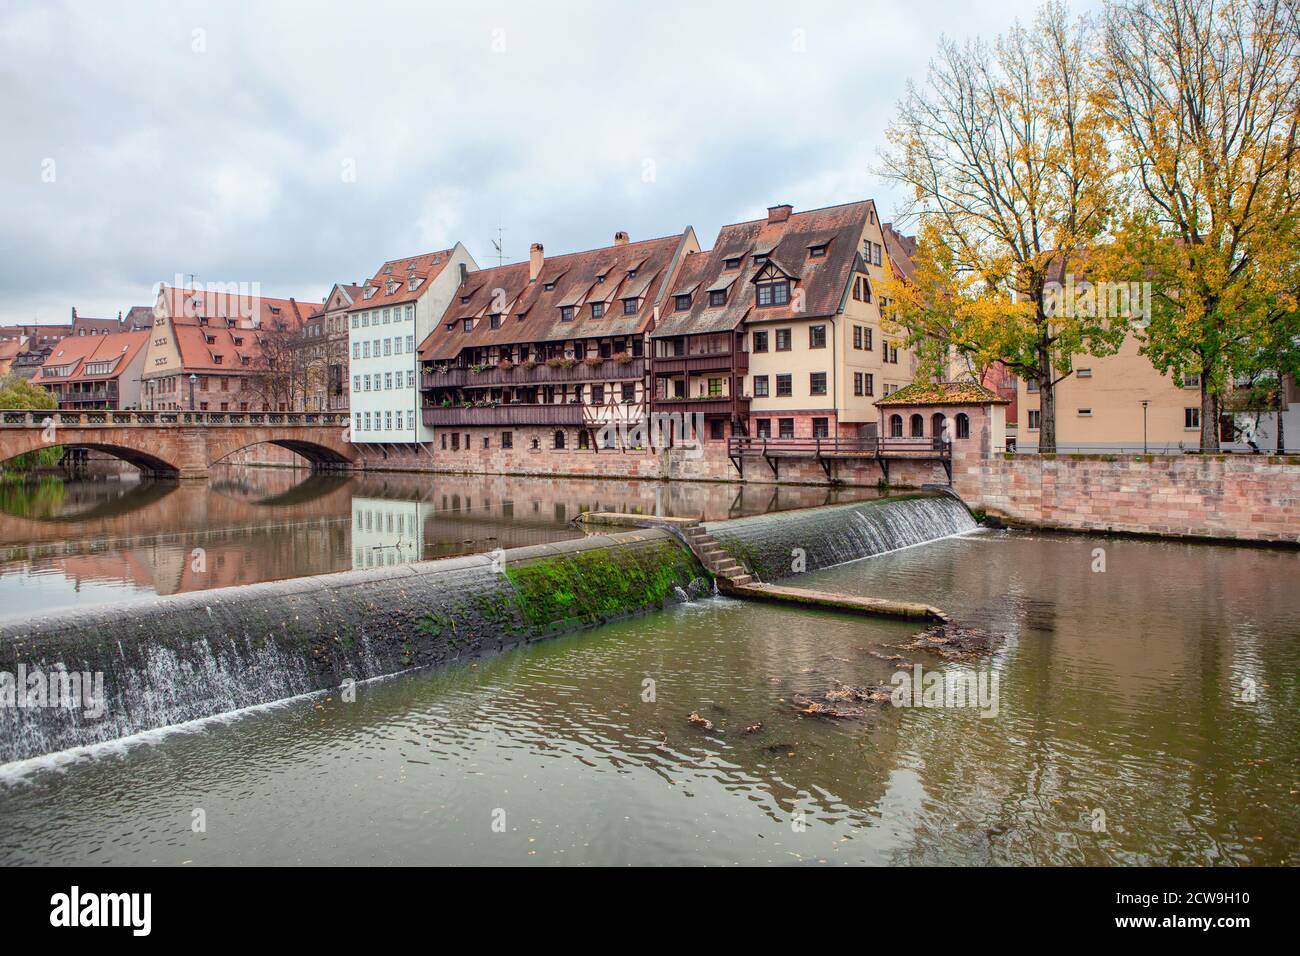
[180, 444]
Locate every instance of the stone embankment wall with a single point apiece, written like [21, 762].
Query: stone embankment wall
[1235, 497]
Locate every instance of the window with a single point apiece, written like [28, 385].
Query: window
[410, 378]
[773, 293]
[388, 346]
[760, 386]
[817, 383]
[817, 337]
[816, 252]
[715, 388]
[597, 310]
[358, 426]
[1085, 413]
[1035, 419]
[1192, 418]
[682, 302]
[1031, 387]
[895, 426]
[494, 321]
[629, 393]
[784, 386]
[388, 380]
[763, 427]
[783, 340]
[467, 325]
[861, 289]
[559, 438]
[733, 263]
[875, 253]
[858, 383]
[759, 342]
[507, 439]
[388, 421]
[566, 313]
[963, 425]
[1191, 380]
[718, 297]
[1084, 373]
[785, 427]
[821, 427]
[717, 429]
[629, 306]
[598, 394]
[918, 426]
[871, 384]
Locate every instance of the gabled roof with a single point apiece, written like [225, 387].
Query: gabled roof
[187, 306]
[572, 281]
[787, 244]
[391, 285]
[79, 351]
[231, 345]
[900, 249]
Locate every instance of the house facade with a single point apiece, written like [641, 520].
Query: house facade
[394, 312]
[221, 351]
[776, 331]
[95, 371]
[545, 354]
[325, 343]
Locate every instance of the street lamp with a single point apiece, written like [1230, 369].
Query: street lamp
[193, 378]
[1145, 403]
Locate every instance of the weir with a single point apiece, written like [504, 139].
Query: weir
[170, 660]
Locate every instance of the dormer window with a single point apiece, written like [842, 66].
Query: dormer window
[210, 339]
[467, 325]
[388, 271]
[494, 320]
[816, 252]
[682, 302]
[732, 263]
[369, 291]
[631, 273]
[597, 310]
[548, 287]
[760, 258]
[566, 313]
[773, 293]
[464, 300]
[629, 306]
[718, 297]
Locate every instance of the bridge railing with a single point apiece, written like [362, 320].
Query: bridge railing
[111, 418]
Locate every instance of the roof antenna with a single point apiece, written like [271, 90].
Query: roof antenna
[499, 245]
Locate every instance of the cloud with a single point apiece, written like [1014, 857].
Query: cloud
[294, 145]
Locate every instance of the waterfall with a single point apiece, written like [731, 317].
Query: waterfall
[778, 545]
[159, 662]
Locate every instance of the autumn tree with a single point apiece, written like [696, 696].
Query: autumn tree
[1201, 101]
[1002, 152]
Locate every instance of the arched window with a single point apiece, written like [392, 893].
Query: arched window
[896, 426]
[584, 438]
[963, 425]
[937, 425]
[559, 438]
[918, 426]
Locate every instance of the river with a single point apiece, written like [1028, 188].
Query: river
[1146, 712]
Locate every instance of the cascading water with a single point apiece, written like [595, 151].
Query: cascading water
[777, 545]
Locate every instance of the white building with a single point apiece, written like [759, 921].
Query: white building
[393, 314]
[387, 531]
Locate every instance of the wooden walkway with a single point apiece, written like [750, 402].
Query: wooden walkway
[737, 581]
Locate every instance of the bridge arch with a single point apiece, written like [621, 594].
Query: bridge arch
[22, 443]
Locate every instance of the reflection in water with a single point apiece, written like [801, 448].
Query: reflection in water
[1118, 691]
[83, 541]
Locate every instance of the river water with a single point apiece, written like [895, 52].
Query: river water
[79, 542]
[1145, 713]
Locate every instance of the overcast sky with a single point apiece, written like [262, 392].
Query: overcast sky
[293, 145]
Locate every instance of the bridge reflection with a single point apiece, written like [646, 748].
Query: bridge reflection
[244, 525]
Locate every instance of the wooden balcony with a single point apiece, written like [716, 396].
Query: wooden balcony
[607, 370]
[514, 414]
[698, 364]
[825, 451]
[737, 406]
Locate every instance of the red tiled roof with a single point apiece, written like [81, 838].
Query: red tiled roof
[78, 351]
[787, 244]
[900, 249]
[395, 274]
[187, 306]
[532, 311]
[230, 345]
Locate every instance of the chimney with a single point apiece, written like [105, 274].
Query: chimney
[779, 213]
[534, 261]
[464, 273]
[620, 238]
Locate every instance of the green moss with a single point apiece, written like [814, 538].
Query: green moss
[583, 588]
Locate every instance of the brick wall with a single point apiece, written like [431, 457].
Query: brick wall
[1242, 497]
